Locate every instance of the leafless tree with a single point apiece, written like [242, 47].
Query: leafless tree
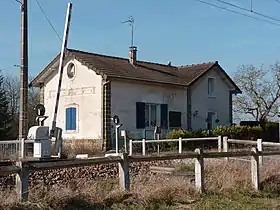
[260, 91]
[12, 88]
[33, 100]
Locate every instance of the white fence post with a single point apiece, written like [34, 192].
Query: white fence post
[130, 147]
[255, 170]
[124, 179]
[180, 145]
[260, 149]
[22, 182]
[219, 143]
[199, 171]
[143, 147]
[225, 146]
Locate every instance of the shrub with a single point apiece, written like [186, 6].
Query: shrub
[239, 132]
[268, 132]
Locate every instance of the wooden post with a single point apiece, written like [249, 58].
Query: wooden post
[219, 143]
[180, 145]
[143, 147]
[255, 170]
[124, 179]
[225, 146]
[130, 147]
[260, 149]
[199, 171]
[22, 182]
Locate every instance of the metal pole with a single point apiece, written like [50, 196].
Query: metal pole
[279, 124]
[23, 73]
[117, 139]
[60, 68]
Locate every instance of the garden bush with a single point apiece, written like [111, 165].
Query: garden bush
[268, 132]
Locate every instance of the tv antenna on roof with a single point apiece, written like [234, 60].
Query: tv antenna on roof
[130, 21]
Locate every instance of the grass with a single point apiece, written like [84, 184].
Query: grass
[228, 187]
[91, 147]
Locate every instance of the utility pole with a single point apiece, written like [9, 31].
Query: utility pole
[23, 73]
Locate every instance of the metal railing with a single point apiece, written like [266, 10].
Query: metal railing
[13, 149]
[144, 142]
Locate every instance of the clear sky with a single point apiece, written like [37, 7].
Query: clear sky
[180, 31]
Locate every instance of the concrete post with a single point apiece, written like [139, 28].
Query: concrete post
[22, 182]
[255, 170]
[260, 149]
[144, 147]
[199, 171]
[180, 145]
[225, 146]
[124, 179]
[130, 147]
[219, 143]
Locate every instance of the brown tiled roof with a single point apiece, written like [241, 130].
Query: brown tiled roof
[117, 67]
[122, 68]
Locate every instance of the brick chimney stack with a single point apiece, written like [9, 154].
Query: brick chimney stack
[132, 54]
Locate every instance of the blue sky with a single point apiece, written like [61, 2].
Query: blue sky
[180, 31]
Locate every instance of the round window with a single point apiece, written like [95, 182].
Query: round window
[71, 71]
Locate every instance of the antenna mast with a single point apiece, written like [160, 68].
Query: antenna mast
[130, 21]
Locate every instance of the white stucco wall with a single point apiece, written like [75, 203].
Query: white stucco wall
[126, 94]
[84, 92]
[202, 103]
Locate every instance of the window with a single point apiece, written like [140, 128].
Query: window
[211, 86]
[71, 118]
[71, 70]
[175, 119]
[149, 115]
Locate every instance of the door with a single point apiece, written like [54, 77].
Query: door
[211, 120]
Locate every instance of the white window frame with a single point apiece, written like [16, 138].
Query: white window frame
[213, 94]
[158, 117]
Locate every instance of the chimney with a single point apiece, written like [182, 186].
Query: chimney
[132, 54]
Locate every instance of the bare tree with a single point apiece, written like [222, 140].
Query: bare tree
[260, 91]
[33, 100]
[11, 85]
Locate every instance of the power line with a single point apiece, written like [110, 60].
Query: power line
[250, 10]
[50, 23]
[239, 13]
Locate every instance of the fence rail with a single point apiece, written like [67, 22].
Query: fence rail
[23, 168]
[180, 141]
[259, 143]
[10, 149]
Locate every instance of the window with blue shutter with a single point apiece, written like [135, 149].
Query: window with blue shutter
[71, 118]
[164, 116]
[140, 115]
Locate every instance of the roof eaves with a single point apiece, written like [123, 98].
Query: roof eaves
[237, 89]
[202, 73]
[90, 66]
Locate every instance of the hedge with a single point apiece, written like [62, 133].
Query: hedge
[268, 132]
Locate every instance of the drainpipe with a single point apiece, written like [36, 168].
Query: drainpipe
[103, 115]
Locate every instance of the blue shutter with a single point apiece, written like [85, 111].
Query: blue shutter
[68, 119]
[140, 115]
[164, 116]
[71, 116]
[73, 119]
